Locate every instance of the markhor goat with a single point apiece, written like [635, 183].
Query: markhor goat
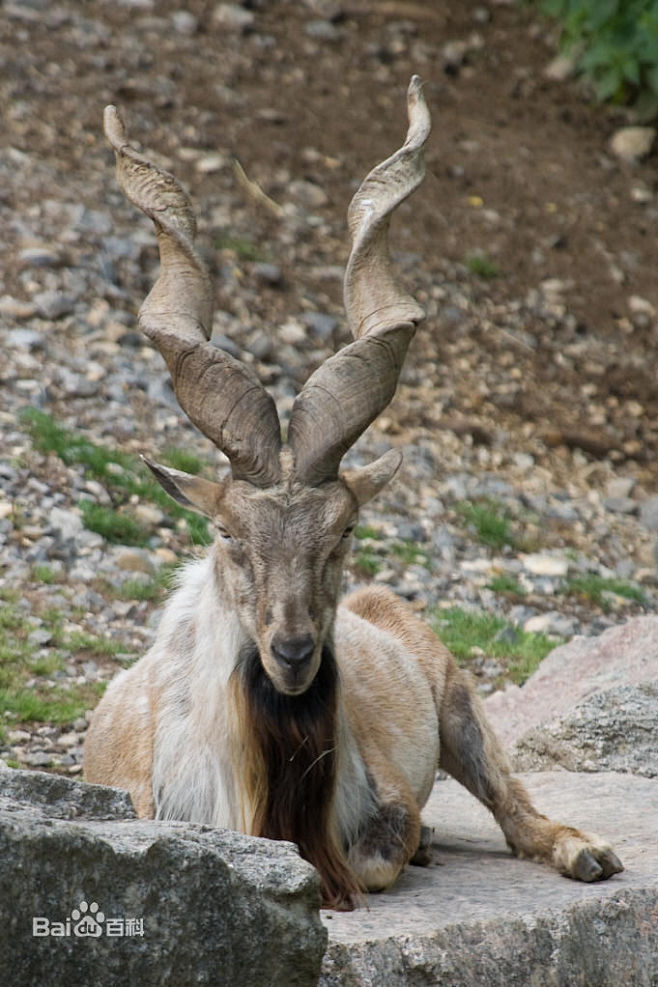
[264, 705]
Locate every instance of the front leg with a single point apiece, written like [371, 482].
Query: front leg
[389, 839]
[471, 753]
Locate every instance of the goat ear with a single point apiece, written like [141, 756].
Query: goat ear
[193, 492]
[366, 482]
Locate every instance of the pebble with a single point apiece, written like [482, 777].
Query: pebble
[321, 30]
[53, 304]
[649, 513]
[553, 623]
[307, 194]
[14, 308]
[560, 68]
[545, 565]
[65, 524]
[268, 273]
[620, 486]
[39, 257]
[233, 17]
[621, 505]
[321, 325]
[38, 759]
[211, 163]
[185, 22]
[631, 144]
[26, 339]
[149, 514]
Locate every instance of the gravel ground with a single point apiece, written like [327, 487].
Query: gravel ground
[570, 482]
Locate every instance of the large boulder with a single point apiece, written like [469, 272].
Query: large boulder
[480, 916]
[626, 655]
[91, 895]
[616, 730]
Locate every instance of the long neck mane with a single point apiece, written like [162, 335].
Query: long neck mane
[292, 743]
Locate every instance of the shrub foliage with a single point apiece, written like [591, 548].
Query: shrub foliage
[615, 43]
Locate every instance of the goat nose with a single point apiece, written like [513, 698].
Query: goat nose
[293, 651]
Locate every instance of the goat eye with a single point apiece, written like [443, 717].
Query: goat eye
[223, 533]
[348, 531]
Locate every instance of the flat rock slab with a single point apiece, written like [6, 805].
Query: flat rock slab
[479, 916]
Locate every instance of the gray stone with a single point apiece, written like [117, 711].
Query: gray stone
[61, 799]
[551, 622]
[620, 505]
[41, 256]
[39, 759]
[76, 385]
[66, 525]
[480, 916]
[623, 655]
[40, 637]
[268, 273]
[649, 513]
[620, 486]
[615, 730]
[217, 907]
[53, 304]
[261, 346]
[222, 342]
[320, 324]
[26, 339]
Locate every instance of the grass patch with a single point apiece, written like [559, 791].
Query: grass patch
[363, 531]
[122, 475]
[462, 631]
[152, 589]
[96, 645]
[183, 459]
[594, 589]
[45, 664]
[44, 574]
[409, 553]
[242, 247]
[366, 563]
[42, 701]
[479, 263]
[490, 522]
[506, 585]
[115, 526]
[33, 705]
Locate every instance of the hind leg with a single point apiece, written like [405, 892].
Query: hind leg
[471, 753]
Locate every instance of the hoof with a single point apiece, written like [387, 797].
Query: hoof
[596, 864]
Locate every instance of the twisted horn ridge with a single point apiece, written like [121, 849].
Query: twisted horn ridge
[220, 395]
[349, 390]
